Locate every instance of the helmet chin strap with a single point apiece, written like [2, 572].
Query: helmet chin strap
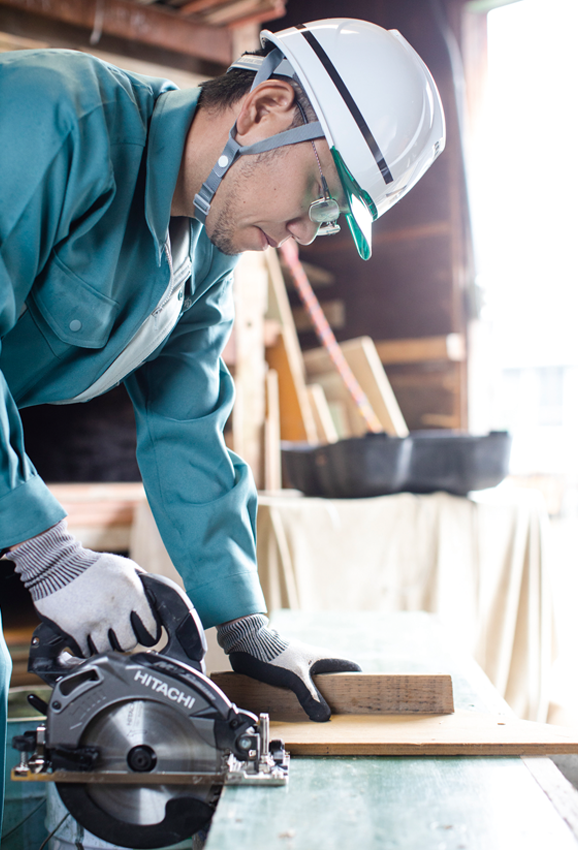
[274, 62]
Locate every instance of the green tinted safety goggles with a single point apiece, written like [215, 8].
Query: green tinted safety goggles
[362, 210]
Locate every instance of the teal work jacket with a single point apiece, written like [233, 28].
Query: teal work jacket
[89, 159]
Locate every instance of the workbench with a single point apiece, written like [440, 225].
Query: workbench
[412, 803]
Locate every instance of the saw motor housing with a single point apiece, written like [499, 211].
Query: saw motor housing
[140, 745]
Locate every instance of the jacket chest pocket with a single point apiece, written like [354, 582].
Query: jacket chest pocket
[74, 310]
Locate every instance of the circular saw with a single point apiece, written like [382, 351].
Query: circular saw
[140, 745]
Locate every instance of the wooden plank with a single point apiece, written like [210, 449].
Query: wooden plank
[450, 347]
[100, 515]
[364, 361]
[194, 7]
[240, 12]
[72, 495]
[250, 299]
[467, 733]
[440, 420]
[136, 22]
[245, 36]
[428, 391]
[345, 415]
[347, 693]
[562, 794]
[272, 330]
[285, 356]
[8, 41]
[325, 427]
[289, 251]
[272, 455]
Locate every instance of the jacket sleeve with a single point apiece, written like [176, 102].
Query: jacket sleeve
[202, 495]
[26, 505]
[55, 181]
[35, 168]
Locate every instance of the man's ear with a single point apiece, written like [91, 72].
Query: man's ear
[265, 111]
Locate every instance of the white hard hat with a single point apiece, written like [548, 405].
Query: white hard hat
[377, 106]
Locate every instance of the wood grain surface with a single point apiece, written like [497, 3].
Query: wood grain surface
[462, 733]
[413, 802]
[346, 693]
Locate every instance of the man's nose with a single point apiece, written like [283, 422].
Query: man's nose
[303, 230]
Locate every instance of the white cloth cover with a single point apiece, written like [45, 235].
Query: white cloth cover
[479, 564]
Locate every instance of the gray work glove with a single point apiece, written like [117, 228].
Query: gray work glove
[96, 599]
[260, 652]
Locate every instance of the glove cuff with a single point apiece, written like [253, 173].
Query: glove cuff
[50, 561]
[252, 635]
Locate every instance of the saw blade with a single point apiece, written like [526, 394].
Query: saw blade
[146, 736]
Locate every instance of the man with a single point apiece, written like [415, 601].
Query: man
[124, 203]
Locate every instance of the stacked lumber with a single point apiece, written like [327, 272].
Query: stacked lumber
[362, 356]
[302, 397]
[100, 515]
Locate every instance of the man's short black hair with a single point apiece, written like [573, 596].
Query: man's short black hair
[223, 92]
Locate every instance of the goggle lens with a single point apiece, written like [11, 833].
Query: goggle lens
[323, 210]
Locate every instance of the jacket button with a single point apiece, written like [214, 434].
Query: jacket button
[75, 325]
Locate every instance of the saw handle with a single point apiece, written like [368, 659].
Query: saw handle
[185, 635]
[173, 609]
[49, 655]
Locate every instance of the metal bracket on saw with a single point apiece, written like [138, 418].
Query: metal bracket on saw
[268, 765]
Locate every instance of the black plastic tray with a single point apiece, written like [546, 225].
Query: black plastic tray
[376, 464]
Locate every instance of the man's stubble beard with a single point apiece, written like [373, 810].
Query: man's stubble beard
[224, 229]
[223, 232]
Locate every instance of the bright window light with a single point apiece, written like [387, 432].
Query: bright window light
[525, 188]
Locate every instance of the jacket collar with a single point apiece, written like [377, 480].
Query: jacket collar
[170, 123]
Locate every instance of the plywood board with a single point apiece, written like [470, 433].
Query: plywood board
[346, 693]
[345, 414]
[325, 428]
[450, 347]
[364, 361]
[285, 356]
[101, 515]
[467, 733]
[272, 456]
[250, 298]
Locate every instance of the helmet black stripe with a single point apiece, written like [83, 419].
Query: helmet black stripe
[347, 97]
